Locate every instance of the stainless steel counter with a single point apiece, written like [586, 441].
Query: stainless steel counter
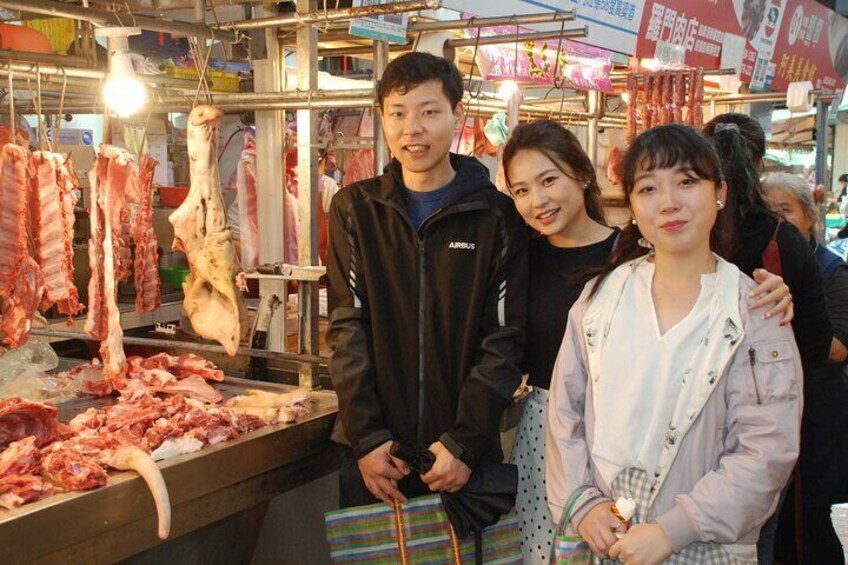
[119, 520]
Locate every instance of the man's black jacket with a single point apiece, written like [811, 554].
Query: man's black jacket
[426, 328]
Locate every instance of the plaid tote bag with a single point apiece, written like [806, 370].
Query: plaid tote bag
[415, 533]
[569, 548]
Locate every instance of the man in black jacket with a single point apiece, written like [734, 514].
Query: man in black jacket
[427, 291]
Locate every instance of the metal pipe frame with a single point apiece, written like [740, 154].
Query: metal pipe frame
[707, 72]
[381, 150]
[595, 101]
[226, 107]
[307, 197]
[59, 71]
[765, 97]
[186, 345]
[524, 19]
[299, 19]
[291, 100]
[574, 33]
[822, 136]
[49, 58]
[107, 18]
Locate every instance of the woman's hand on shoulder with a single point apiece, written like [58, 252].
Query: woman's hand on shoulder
[771, 291]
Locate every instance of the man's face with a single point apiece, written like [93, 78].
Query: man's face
[419, 127]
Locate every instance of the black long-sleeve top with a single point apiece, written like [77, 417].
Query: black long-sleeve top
[811, 326]
[557, 277]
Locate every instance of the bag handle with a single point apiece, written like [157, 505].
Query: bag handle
[402, 538]
[570, 505]
[401, 532]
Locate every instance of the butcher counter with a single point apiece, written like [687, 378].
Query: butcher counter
[119, 520]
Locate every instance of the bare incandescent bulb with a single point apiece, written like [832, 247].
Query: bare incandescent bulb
[124, 93]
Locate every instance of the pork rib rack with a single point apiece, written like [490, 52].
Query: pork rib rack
[213, 304]
[52, 201]
[148, 287]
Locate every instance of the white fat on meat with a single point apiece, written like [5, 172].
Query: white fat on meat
[13, 196]
[213, 304]
[272, 408]
[109, 179]
[172, 447]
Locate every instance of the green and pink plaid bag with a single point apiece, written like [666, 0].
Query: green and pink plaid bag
[569, 547]
[415, 533]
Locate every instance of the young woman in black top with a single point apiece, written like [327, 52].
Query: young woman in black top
[740, 142]
[555, 190]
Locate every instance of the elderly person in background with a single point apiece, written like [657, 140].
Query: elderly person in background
[824, 443]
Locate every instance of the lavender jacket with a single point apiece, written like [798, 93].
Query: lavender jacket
[734, 436]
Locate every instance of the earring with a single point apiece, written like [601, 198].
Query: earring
[633, 221]
[720, 204]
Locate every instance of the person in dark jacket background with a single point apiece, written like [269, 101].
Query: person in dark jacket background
[427, 277]
[824, 443]
[741, 145]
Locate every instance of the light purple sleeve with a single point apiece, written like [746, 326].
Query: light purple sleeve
[567, 454]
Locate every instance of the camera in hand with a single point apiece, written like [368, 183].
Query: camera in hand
[420, 459]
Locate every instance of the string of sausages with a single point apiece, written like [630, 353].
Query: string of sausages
[660, 98]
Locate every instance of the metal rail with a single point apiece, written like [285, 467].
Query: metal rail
[341, 14]
[573, 33]
[49, 58]
[707, 72]
[524, 19]
[188, 346]
[227, 107]
[764, 97]
[107, 18]
[59, 72]
[290, 100]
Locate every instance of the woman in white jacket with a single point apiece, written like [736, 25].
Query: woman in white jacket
[666, 389]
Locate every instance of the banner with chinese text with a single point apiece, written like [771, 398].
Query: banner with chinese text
[784, 40]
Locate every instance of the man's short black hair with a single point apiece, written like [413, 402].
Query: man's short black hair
[843, 177]
[408, 71]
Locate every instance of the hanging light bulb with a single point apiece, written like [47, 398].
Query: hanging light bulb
[124, 93]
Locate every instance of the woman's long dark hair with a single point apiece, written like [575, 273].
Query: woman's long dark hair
[562, 148]
[666, 147]
[741, 145]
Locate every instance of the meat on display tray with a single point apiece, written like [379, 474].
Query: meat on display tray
[119, 520]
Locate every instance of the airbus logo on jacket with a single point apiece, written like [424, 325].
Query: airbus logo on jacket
[426, 337]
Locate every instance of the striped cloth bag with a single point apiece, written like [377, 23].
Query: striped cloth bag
[415, 533]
